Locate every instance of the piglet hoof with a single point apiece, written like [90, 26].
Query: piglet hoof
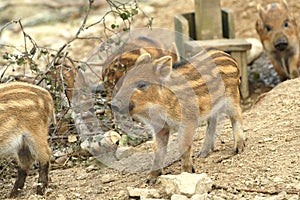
[14, 193]
[40, 190]
[151, 181]
[189, 169]
[203, 154]
[240, 147]
[193, 169]
[295, 74]
[152, 177]
[206, 149]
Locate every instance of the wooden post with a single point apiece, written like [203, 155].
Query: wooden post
[241, 58]
[208, 19]
[182, 33]
[228, 23]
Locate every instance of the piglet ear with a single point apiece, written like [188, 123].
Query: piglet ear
[259, 26]
[143, 51]
[163, 67]
[261, 11]
[143, 59]
[284, 3]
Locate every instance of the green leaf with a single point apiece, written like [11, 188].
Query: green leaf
[124, 16]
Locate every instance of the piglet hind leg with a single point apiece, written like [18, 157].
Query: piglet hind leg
[238, 135]
[186, 136]
[43, 154]
[186, 161]
[209, 141]
[25, 160]
[160, 149]
[43, 178]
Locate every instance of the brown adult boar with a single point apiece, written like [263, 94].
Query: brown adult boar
[26, 112]
[167, 96]
[277, 29]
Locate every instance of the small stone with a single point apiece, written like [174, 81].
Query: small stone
[122, 194]
[255, 51]
[61, 160]
[100, 111]
[82, 176]
[277, 179]
[124, 152]
[264, 181]
[107, 178]
[294, 197]
[60, 197]
[186, 184]
[268, 139]
[218, 198]
[124, 140]
[143, 192]
[296, 186]
[142, 198]
[77, 195]
[72, 138]
[178, 197]
[258, 91]
[199, 197]
[111, 137]
[91, 168]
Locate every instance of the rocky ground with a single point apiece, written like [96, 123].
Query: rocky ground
[267, 169]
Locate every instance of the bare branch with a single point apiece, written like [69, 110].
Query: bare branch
[8, 24]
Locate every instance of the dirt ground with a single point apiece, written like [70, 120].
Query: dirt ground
[268, 166]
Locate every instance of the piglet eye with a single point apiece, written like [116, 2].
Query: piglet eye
[286, 24]
[141, 85]
[268, 28]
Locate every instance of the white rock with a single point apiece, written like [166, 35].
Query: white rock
[296, 186]
[217, 198]
[107, 178]
[186, 184]
[124, 152]
[143, 192]
[255, 51]
[60, 197]
[142, 198]
[199, 197]
[280, 196]
[110, 137]
[178, 197]
[278, 179]
[294, 197]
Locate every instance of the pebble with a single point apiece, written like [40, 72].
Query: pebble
[278, 179]
[143, 192]
[107, 178]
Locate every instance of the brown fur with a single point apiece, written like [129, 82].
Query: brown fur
[65, 74]
[124, 59]
[277, 29]
[26, 112]
[177, 96]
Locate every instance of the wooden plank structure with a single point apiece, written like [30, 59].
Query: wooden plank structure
[210, 25]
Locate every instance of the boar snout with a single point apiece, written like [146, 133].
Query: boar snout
[115, 105]
[120, 107]
[281, 43]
